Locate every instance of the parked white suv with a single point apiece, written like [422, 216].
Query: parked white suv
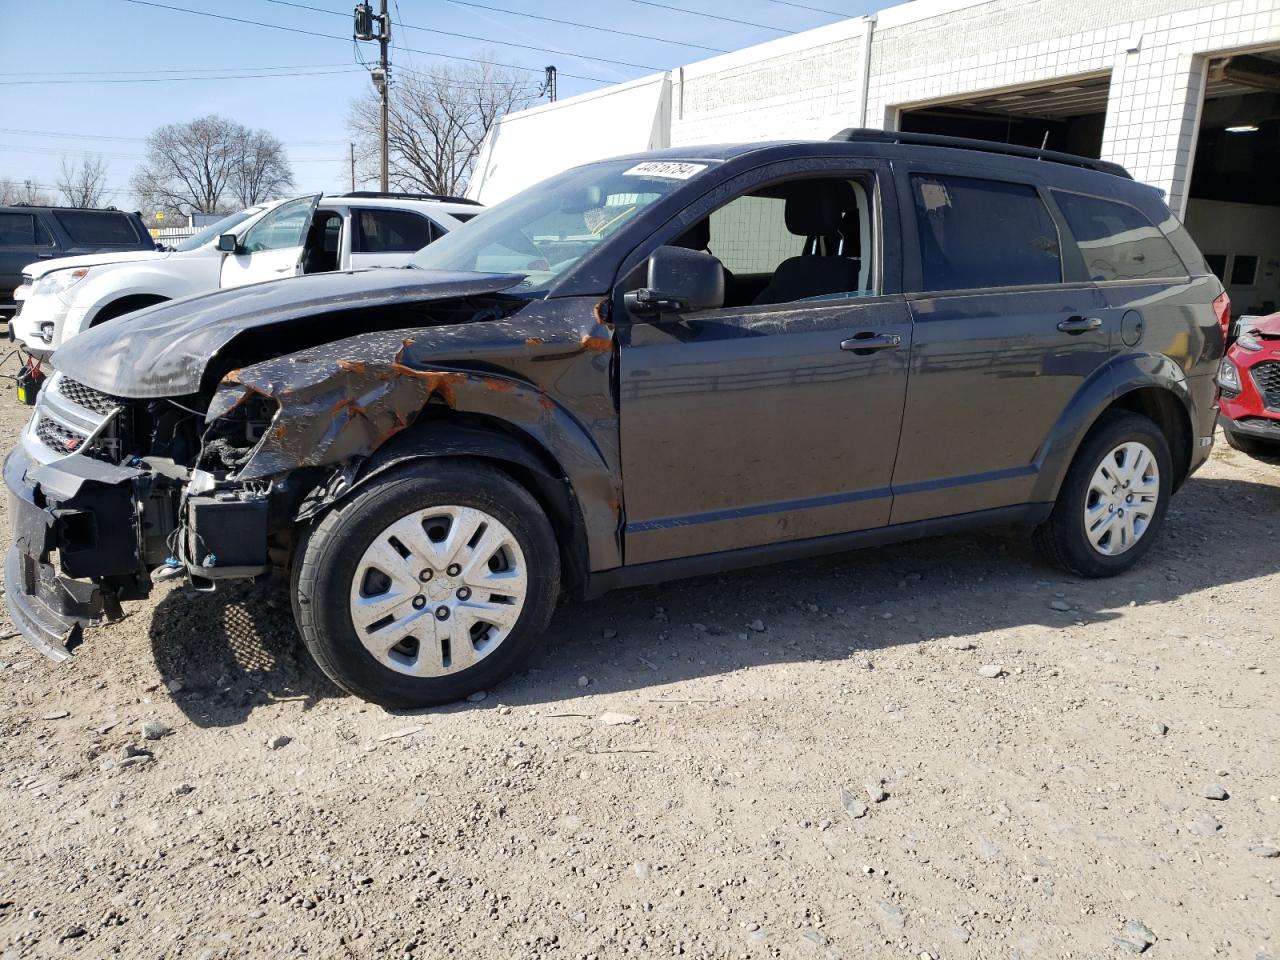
[311, 234]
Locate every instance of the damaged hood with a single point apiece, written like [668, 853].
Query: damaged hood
[163, 351]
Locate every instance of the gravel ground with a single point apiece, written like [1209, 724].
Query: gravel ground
[942, 749]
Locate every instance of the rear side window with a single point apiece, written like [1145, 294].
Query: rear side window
[462, 217]
[983, 233]
[17, 230]
[1116, 240]
[391, 231]
[98, 228]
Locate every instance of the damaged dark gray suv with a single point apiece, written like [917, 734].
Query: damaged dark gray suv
[644, 368]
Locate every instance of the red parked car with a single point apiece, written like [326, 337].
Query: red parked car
[1250, 380]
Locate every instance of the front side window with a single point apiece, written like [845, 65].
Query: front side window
[17, 230]
[391, 231]
[1116, 240]
[98, 228]
[978, 233]
[796, 240]
[549, 228]
[280, 229]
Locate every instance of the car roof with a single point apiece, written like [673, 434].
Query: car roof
[1059, 169]
[28, 207]
[403, 203]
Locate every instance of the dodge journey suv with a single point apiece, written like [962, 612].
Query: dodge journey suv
[645, 368]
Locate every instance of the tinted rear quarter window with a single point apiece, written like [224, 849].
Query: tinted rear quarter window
[103, 228]
[983, 233]
[17, 230]
[391, 231]
[1116, 240]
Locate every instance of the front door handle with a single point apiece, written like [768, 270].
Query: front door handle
[868, 342]
[1080, 324]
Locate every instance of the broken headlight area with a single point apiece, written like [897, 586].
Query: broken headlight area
[163, 496]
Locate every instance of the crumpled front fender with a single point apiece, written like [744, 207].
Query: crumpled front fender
[345, 400]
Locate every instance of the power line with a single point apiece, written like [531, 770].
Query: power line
[328, 36]
[82, 73]
[47, 150]
[802, 6]
[698, 13]
[470, 36]
[90, 136]
[239, 76]
[586, 26]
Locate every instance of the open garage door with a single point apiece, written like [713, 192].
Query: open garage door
[1233, 210]
[1067, 114]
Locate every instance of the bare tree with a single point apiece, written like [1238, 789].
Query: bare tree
[83, 183]
[22, 191]
[438, 119]
[263, 170]
[199, 166]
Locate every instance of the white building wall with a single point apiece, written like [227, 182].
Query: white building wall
[863, 72]
[807, 86]
[531, 145]
[1154, 51]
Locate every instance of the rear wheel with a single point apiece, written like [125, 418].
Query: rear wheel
[1250, 445]
[430, 584]
[1113, 499]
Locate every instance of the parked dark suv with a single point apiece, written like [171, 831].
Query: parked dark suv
[645, 368]
[30, 234]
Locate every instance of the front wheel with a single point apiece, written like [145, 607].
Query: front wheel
[429, 584]
[1113, 499]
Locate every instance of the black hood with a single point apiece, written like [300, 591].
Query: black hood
[162, 351]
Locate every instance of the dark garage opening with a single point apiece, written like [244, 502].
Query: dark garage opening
[1233, 210]
[1067, 115]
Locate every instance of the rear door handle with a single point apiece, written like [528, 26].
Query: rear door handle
[869, 342]
[1080, 324]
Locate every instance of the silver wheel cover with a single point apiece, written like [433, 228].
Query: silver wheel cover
[438, 590]
[1122, 498]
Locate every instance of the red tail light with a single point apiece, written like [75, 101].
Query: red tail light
[1222, 307]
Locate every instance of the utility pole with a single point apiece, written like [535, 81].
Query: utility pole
[353, 167]
[381, 74]
[549, 85]
[384, 40]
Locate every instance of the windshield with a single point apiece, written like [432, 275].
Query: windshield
[216, 229]
[548, 228]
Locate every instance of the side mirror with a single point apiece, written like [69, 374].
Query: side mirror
[680, 281]
[228, 243]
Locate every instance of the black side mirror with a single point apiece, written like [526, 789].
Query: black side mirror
[680, 281]
[228, 243]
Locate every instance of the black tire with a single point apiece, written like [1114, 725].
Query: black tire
[1253, 446]
[329, 559]
[1063, 539]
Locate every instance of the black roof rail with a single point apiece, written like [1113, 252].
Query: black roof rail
[867, 135]
[391, 195]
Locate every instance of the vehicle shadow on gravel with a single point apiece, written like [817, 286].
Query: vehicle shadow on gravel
[1218, 531]
[233, 650]
[238, 648]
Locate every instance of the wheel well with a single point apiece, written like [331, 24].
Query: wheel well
[1168, 413]
[536, 470]
[118, 308]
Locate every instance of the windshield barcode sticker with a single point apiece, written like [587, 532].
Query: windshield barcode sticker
[665, 169]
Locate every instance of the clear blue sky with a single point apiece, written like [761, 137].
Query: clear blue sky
[49, 42]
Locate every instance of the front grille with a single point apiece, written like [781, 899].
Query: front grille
[55, 436]
[87, 397]
[1267, 376]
